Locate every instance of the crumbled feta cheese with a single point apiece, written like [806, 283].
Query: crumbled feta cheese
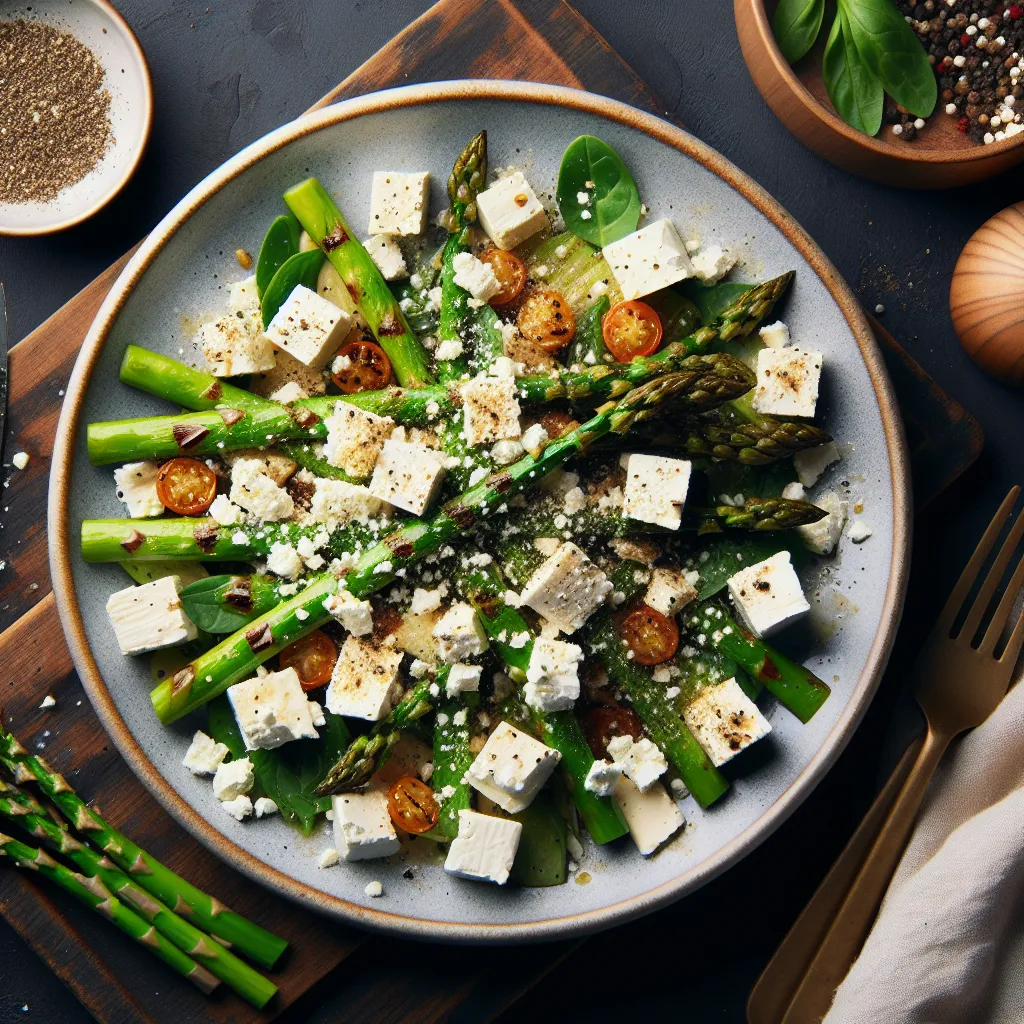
[602, 777]
[150, 616]
[244, 298]
[450, 348]
[768, 595]
[283, 560]
[233, 778]
[648, 260]
[475, 276]
[373, 889]
[787, 382]
[355, 439]
[485, 847]
[641, 760]
[399, 202]
[47, 702]
[20, 460]
[290, 392]
[337, 502]
[712, 264]
[232, 346]
[823, 536]
[552, 675]
[656, 489]
[224, 512]
[424, 601]
[679, 790]
[567, 588]
[328, 858]
[136, 487]
[272, 710]
[459, 634]
[652, 817]
[408, 475]
[309, 327]
[859, 531]
[574, 501]
[264, 807]
[724, 721]
[362, 825]
[669, 591]
[462, 678]
[534, 438]
[239, 808]
[364, 683]
[490, 410]
[278, 467]
[794, 492]
[511, 768]
[510, 212]
[775, 335]
[504, 453]
[204, 755]
[385, 251]
[812, 462]
[253, 490]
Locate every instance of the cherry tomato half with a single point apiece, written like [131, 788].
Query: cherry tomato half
[412, 806]
[312, 657]
[368, 369]
[651, 636]
[186, 486]
[631, 329]
[510, 271]
[546, 319]
[600, 724]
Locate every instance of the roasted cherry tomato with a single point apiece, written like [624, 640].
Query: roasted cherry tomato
[600, 724]
[368, 369]
[186, 486]
[558, 423]
[412, 806]
[651, 636]
[510, 271]
[631, 329]
[546, 319]
[312, 657]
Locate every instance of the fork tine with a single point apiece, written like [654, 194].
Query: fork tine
[1004, 609]
[977, 560]
[993, 579]
[1013, 645]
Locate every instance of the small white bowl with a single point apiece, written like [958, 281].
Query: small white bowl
[99, 26]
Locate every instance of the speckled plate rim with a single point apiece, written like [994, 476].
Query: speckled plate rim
[118, 186]
[60, 537]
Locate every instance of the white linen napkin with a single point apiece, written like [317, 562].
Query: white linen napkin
[948, 944]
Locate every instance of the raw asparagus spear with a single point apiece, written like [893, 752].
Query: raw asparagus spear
[326, 225]
[95, 895]
[238, 655]
[209, 913]
[27, 812]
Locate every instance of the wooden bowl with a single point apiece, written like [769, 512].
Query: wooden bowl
[985, 296]
[939, 157]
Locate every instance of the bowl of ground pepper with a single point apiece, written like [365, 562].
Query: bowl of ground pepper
[76, 105]
[976, 49]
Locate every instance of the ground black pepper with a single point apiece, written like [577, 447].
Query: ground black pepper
[54, 111]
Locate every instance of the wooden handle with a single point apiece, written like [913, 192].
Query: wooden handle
[845, 938]
[780, 979]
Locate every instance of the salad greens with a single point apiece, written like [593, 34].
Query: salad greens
[279, 244]
[796, 24]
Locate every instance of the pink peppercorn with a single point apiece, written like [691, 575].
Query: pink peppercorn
[963, 125]
[1015, 11]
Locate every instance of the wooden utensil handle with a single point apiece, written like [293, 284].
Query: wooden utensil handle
[781, 977]
[845, 938]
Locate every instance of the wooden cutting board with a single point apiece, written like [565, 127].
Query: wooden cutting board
[535, 40]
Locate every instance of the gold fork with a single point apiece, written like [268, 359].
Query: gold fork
[957, 686]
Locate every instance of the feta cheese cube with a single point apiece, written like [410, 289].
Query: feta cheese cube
[309, 327]
[354, 615]
[385, 251]
[253, 490]
[787, 382]
[462, 679]
[399, 202]
[511, 768]
[649, 259]
[407, 474]
[812, 462]
[264, 806]
[204, 756]
[364, 683]
[283, 560]
[291, 391]
[485, 847]
[652, 817]
[459, 634]
[724, 721]
[602, 777]
[475, 276]
[244, 298]
[278, 467]
[534, 438]
[567, 588]
[642, 760]
[711, 264]
[337, 502]
[232, 347]
[490, 410]
[239, 808]
[272, 710]
[775, 335]
[552, 675]
[669, 591]
[362, 825]
[136, 487]
[656, 489]
[768, 595]
[233, 778]
[823, 536]
[150, 616]
[355, 439]
[510, 211]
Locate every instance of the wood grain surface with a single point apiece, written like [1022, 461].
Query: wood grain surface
[539, 40]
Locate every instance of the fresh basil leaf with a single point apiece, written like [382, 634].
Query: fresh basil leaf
[855, 93]
[302, 268]
[204, 603]
[796, 25]
[592, 166]
[891, 51]
[712, 299]
[280, 242]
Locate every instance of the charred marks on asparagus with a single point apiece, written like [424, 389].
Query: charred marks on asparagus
[260, 638]
[390, 326]
[133, 542]
[213, 392]
[231, 416]
[205, 535]
[239, 593]
[188, 435]
[183, 679]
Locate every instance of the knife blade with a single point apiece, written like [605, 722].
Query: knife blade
[3, 367]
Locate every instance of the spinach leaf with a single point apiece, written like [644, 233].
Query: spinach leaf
[613, 207]
[280, 242]
[541, 857]
[855, 93]
[711, 299]
[796, 25]
[208, 603]
[890, 50]
[302, 268]
[729, 553]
